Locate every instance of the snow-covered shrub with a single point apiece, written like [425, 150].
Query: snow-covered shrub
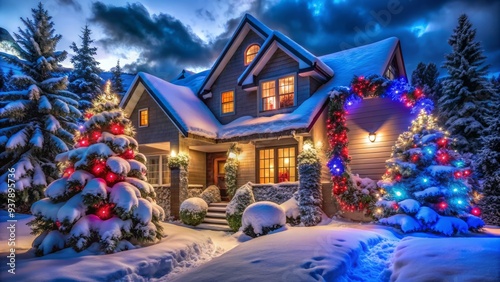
[231, 169]
[310, 194]
[240, 201]
[277, 193]
[193, 211]
[211, 194]
[181, 160]
[366, 193]
[261, 218]
[292, 212]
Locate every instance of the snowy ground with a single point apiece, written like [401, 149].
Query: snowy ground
[339, 251]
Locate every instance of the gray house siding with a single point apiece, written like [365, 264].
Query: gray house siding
[227, 80]
[160, 128]
[385, 117]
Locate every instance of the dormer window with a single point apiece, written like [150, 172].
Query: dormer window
[278, 93]
[251, 52]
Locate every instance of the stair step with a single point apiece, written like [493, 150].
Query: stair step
[215, 221]
[217, 209]
[216, 215]
[220, 204]
[215, 227]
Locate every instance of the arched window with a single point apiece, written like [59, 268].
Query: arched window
[251, 52]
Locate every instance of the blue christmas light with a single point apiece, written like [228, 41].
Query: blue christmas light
[430, 150]
[459, 163]
[336, 166]
[398, 193]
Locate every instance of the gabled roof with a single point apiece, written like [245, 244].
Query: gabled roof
[308, 63]
[248, 22]
[191, 116]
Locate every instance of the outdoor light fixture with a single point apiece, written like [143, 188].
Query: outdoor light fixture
[173, 154]
[232, 155]
[372, 136]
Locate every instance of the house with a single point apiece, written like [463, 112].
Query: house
[268, 94]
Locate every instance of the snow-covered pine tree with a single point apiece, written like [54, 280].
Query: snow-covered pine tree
[231, 169]
[465, 102]
[8, 77]
[85, 80]
[2, 81]
[38, 115]
[425, 77]
[103, 196]
[425, 183]
[488, 163]
[310, 194]
[116, 79]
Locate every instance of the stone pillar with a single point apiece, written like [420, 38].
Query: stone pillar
[175, 184]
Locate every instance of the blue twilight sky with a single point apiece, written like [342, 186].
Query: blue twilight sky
[163, 37]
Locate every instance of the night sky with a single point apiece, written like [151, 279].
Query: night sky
[163, 38]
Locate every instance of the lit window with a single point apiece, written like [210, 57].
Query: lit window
[286, 91]
[143, 117]
[266, 166]
[153, 166]
[227, 100]
[283, 159]
[251, 53]
[268, 96]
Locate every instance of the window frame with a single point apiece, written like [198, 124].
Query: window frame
[245, 55]
[161, 169]
[234, 103]
[139, 117]
[275, 162]
[276, 92]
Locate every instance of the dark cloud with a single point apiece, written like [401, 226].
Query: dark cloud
[72, 3]
[204, 13]
[165, 44]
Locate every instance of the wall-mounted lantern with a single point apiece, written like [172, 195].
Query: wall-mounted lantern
[372, 136]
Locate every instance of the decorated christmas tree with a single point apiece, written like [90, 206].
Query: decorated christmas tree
[425, 187]
[103, 196]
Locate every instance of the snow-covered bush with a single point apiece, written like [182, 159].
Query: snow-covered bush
[181, 160]
[310, 194]
[103, 196]
[231, 169]
[277, 193]
[261, 218]
[211, 194]
[193, 211]
[240, 201]
[292, 211]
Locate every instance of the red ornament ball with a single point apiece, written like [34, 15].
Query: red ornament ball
[128, 154]
[96, 135]
[117, 128]
[104, 212]
[68, 171]
[84, 142]
[88, 115]
[443, 205]
[111, 177]
[98, 169]
[476, 211]
[58, 224]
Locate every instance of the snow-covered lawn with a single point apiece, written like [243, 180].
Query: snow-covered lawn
[339, 251]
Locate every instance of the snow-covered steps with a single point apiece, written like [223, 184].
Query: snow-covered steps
[215, 218]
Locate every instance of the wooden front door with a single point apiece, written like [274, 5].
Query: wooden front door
[219, 174]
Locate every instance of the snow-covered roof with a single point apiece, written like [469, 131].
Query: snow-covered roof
[306, 59]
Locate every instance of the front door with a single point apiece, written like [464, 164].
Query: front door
[219, 174]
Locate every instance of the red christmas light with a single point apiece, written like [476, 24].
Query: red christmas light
[442, 142]
[476, 211]
[395, 206]
[467, 172]
[398, 177]
[58, 224]
[84, 142]
[68, 171]
[98, 169]
[104, 211]
[415, 158]
[111, 177]
[458, 174]
[442, 157]
[128, 154]
[96, 135]
[443, 205]
[117, 128]
[88, 115]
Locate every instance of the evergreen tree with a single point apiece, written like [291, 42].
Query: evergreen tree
[425, 183]
[425, 78]
[85, 79]
[488, 163]
[8, 77]
[116, 79]
[3, 82]
[465, 102]
[38, 118]
[103, 196]
[310, 194]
